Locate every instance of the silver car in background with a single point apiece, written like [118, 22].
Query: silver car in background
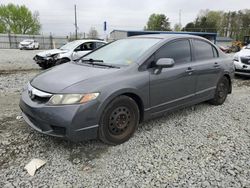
[28, 44]
[70, 51]
[242, 61]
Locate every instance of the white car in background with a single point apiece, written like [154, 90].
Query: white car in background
[68, 52]
[242, 61]
[28, 44]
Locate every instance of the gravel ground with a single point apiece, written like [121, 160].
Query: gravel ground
[200, 146]
[14, 59]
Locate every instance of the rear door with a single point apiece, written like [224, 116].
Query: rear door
[174, 86]
[207, 67]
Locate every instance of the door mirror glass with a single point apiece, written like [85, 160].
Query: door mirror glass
[165, 62]
[74, 56]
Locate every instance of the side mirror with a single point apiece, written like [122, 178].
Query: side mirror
[165, 62]
[74, 55]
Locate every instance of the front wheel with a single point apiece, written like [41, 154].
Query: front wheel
[119, 120]
[221, 92]
[45, 65]
[62, 61]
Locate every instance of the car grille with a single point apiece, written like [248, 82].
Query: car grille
[245, 60]
[37, 95]
[242, 70]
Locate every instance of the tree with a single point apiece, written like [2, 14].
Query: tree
[177, 27]
[189, 27]
[92, 33]
[2, 28]
[19, 20]
[158, 22]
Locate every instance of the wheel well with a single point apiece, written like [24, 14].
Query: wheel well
[230, 82]
[139, 103]
[66, 58]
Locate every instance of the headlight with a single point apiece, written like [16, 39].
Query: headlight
[236, 58]
[56, 56]
[72, 98]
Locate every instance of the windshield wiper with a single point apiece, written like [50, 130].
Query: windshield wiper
[91, 60]
[98, 62]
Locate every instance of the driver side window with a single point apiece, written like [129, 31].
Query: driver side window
[179, 51]
[87, 46]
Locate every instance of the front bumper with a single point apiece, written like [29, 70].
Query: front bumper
[45, 60]
[241, 68]
[26, 47]
[72, 122]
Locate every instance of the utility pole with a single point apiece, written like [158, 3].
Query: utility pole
[75, 23]
[180, 17]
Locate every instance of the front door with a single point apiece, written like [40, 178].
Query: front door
[83, 49]
[174, 86]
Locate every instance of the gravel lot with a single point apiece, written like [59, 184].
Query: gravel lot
[14, 59]
[200, 146]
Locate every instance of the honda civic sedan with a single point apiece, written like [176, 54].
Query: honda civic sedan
[109, 91]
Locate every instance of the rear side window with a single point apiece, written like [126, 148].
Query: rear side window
[178, 50]
[203, 50]
[99, 44]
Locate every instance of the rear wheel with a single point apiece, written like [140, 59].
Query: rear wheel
[119, 120]
[221, 92]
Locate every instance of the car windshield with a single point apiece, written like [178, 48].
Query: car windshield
[28, 40]
[70, 45]
[122, 52]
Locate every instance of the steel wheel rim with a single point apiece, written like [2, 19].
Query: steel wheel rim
[119, 121]
[222, 89]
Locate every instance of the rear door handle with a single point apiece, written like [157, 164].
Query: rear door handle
[216, 65]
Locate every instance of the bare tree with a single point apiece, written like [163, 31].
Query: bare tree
[92, 33]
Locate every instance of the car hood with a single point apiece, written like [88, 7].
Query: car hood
[244, 52]
[57, 79]
[48, 53]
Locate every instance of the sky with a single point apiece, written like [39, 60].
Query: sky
[57, 16]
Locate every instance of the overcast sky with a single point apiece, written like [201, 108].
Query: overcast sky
[57, 16]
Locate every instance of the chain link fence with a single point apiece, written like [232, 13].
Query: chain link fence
[11, 41]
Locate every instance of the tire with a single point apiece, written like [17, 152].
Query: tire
[45, 65]
[221, 92]
[119, 121]
[62, 61]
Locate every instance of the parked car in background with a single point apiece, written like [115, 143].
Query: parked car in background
[28, 44]
[242, 61]
[66, 53]
[110, 90]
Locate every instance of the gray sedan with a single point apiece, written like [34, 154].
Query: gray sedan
[108, 92]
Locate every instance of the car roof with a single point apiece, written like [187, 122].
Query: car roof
[167, 36]
[89, 40]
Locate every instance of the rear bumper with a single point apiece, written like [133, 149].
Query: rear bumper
[242, 73]
[72, 122]
[241, 68]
